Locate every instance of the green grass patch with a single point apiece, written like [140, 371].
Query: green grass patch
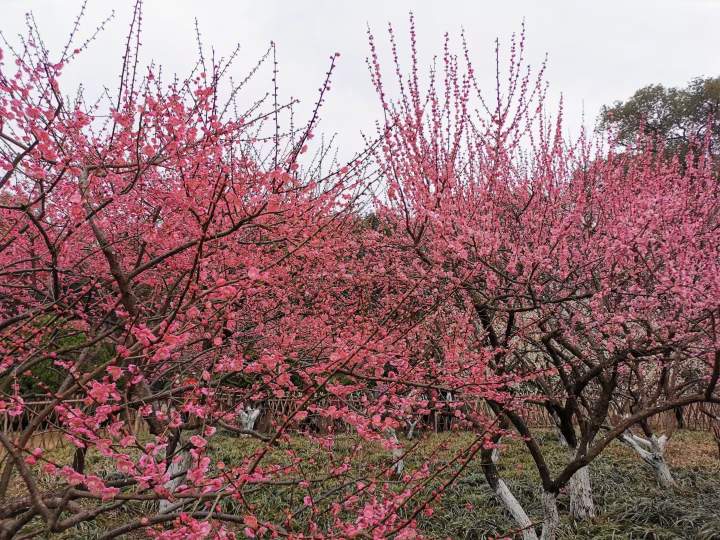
[629, 503]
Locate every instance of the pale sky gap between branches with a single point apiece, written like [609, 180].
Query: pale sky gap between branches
[598, 52]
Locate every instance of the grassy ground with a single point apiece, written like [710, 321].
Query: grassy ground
[629, 502]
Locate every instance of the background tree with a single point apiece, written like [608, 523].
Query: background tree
[678, 118]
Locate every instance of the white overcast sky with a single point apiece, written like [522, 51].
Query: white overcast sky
[599, 51]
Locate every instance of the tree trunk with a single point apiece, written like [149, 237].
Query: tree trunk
[176, 474]
[248, 417]
[523, 522]
[658, 462]
[581, 496]
[511, 504]
[551, 516]
[79, 460]
[448, 412]
[411, 428]
[652, 452]
[679, 418]
[579, 487]
[397, 453]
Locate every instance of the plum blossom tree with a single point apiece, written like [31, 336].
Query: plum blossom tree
[176, 260]
[580, 268]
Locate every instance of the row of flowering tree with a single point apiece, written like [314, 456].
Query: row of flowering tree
[588, 277]
[173, 256]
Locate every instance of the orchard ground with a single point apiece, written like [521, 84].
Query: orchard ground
[630, 504]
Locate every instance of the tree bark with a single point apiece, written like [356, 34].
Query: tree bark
[511, 504]
[679, 417]
[411, 428]
[551, 516]
[579, 486]
[502, 492]
[397, 453]
[79, 460]
[581, 496]
[248, 417]
[652, 452]
[176, 473]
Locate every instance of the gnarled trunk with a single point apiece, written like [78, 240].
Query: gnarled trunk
[411, 428]
[502, 492]
[551, 519]
[248, 416]
[652, 452]
[397, 452]
[581, 497]
[511, 504]
[176, 474]
[579, 486]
